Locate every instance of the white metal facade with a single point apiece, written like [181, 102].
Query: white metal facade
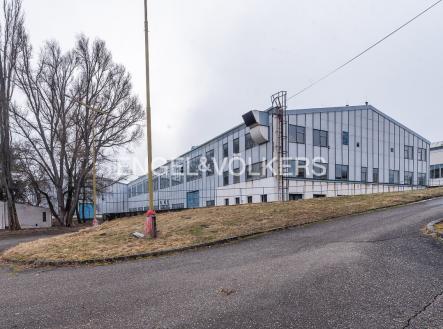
[375, 141]
[436, 172]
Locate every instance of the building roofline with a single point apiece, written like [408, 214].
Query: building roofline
[356, 108]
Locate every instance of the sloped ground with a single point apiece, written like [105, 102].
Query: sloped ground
[194, 227]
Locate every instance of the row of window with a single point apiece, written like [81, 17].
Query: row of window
[249, 143]
[297, 134]
[254, 171]
[257, 171]
[263, 198]
[342, 173]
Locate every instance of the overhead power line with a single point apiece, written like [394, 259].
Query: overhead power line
[364, 51]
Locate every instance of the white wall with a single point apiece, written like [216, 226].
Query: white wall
[3, 216]
[29, 216]
[436, 156]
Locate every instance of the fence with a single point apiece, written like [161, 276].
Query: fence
[178, 199]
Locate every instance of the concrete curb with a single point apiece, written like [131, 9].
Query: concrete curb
[110, 260]
[431, 227]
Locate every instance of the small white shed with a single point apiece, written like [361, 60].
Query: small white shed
[29, 216]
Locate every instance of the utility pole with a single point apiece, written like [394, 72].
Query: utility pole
[148, 112]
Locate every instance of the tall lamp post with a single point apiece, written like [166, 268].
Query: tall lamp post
[148, 112]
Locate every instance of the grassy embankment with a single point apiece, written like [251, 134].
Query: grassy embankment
[194, 227]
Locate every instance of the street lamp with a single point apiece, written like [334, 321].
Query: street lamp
[148, 112]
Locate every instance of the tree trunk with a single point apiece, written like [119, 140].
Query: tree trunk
[6, 161]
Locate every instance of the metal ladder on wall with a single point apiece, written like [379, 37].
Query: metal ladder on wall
[281, 143]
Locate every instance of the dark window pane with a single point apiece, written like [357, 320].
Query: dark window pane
[321, 138]
[375, 175]
[236, 146]
[345, 138]
[236, 176]
[255, 171]
[210, 163]
[225, 150]
[226, 178]
[297, 134]
[364, 174]
[249, 143]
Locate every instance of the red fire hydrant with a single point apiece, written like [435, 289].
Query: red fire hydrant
[151, 224]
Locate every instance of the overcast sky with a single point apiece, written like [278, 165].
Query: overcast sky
[214, 60]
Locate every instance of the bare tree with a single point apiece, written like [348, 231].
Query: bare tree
[59, 132]
[12, 41]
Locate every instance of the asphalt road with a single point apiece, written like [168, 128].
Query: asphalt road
[370, 271]
[8, 240]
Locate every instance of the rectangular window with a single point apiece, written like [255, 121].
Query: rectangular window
[341, 172]
[236, 176]
[264, 198]
[226, 150]
[319, 196]
[297, 134]
[321, 170]
[409, 178]
[321, 138]
[364, 174]
[249, 199]
[435, 172]
[177, 174]
[422, 179]
[178, 206]
[255, 171]
[226, 202]
[155, 183]
[294, 197]
[375, 175]
[237, 201]
[345, 138]
[164, 182]
[139, 188]
[44, 217]
[236, 146]
[194, 171]
[226, 178]
[297, 168]
[394, 177]
[210, 163]
[249, 143]
[422, 154]
[409, 152]
[210, 203]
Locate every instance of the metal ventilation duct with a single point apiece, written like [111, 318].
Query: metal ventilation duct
[258, 124]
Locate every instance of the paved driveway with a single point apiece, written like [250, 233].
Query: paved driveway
[370, 271]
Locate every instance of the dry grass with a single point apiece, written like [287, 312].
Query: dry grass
[439, 228]
[192, 227]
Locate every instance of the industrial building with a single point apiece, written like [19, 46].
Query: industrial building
[276, 155]
[436, 174]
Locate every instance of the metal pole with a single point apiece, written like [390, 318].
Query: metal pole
[94, 179]
[148, 112]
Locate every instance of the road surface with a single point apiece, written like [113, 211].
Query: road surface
[369, 271]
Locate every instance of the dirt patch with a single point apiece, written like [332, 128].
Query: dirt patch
[194, 227]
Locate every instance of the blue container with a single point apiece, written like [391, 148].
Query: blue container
[86, 211]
